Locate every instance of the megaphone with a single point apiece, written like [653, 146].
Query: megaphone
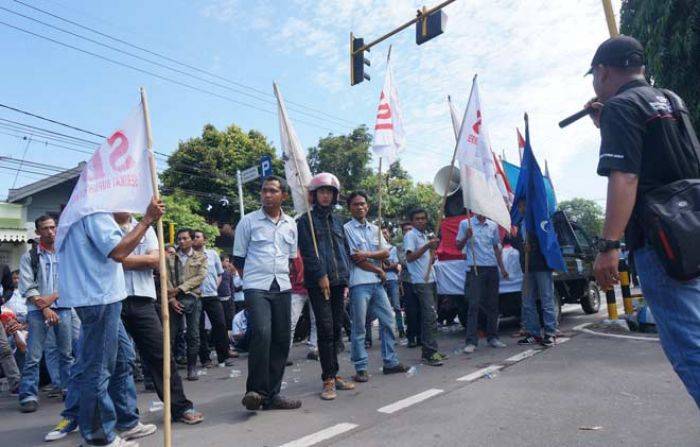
[446, 180]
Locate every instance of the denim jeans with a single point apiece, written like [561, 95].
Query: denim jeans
[426, 294]
[392, 291]
[269, 321]
[107, 392]
[482, 293]
[192, 311]
[539, 285]
[38, 331]
[676, 309]
[372, 298]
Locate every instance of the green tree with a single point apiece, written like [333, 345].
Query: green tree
[182, 210]
[205, 167]
[587, 213]
[670, 33]
[346, 156]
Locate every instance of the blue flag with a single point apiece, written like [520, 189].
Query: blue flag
[531, 189]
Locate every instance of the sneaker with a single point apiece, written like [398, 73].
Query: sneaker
[312, 355]
[29, 406]
[549, 340]
[442, 356]
[496, 343]
[54, 392]
[121, 442]
[469, 348]
[227, 363]
[530, 340]
[328, 392]
[61, 430]
[207, 364]
[140, 430]
[433, 360]
[397, 369]
[191, 417]
[283, 403]
[342, 385]
[252, 401]
[361, 377]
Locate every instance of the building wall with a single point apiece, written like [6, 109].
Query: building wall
[51, 200]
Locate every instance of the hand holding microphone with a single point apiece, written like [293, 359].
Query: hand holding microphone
[592, 108]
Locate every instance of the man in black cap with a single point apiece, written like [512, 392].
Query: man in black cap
[644, 145]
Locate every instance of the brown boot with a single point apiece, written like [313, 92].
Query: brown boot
[328, 392]
[341, 384]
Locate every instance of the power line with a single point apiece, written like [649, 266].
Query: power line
[155, 75]
[167, 67]
[51, 131]
[162, 56]
[50, 120]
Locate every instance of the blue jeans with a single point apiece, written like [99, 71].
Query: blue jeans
[676, 309]
[38, 331]
[539, 285]
[107, 392]
[371, 297]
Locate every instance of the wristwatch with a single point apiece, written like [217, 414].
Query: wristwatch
[605, 245]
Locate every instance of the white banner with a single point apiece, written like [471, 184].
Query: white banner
[296, 168]
[116, 179]
[480, 189]
[389, 136]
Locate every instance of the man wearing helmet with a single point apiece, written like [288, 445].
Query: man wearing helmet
[326, 275]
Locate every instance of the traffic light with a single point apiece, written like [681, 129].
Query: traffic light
[357, 60]
[430, 25]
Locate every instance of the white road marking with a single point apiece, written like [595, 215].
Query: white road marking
[321, 436]
[479, 373]
[582, 328]
[407, 402]
[561, 340]
[523, 355]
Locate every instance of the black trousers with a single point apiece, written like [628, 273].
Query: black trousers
[219, 334]
[229, 312]
[191, 312]
[413, 312]
[330, 316]
[143, 324]
[269, 321]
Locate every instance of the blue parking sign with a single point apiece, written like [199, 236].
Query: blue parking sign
[265, 166]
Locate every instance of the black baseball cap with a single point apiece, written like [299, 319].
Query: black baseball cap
[621, 51]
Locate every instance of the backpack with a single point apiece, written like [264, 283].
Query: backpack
[671, 213]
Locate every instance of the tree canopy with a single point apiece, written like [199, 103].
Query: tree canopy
[587, 213]
[182, 210]
[346, 156]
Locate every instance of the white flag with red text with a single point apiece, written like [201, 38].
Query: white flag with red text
[389, 136]
[296, 168]
[478, 173]
[117, 178]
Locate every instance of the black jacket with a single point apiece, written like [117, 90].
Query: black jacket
[332, 248]
[536, 260]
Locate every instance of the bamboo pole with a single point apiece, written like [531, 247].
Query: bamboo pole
[610, 18]
[164, 311]
[379, 204]
[301, 184]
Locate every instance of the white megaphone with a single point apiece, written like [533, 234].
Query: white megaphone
[446, 180]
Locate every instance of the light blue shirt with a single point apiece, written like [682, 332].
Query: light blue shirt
[140, 282]
[417, 269]
[214, 270]
[46, 282]
[485, 237]
[88, 276]
[362, 237]
[267, 247]
[391, 275]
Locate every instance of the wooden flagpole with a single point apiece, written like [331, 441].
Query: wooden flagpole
[526, 245]
[610, 18]
[163, 273]
[303, 187]
[379, 204]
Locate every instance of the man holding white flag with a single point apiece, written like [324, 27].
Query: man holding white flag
[91, 249]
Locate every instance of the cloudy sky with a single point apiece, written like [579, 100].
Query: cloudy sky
[530, 55]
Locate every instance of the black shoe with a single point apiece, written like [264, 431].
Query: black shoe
[282, 403]
[530, 340]
[29, 406]
[368, 343]
[412, 343]
[361, 377]
[192, 374]
[340, 347]
[549, 340]
[399, 368]
[433, 360]
[312, 355]
[252, 401]
[288, 363]
[402, 333]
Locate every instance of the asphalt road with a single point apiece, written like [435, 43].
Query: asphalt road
[588, 390]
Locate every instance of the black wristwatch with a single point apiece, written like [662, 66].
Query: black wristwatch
[605, 245]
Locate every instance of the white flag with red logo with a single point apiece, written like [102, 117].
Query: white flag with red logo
[389, 135]
[296, 168]
[116, 179]
[478, 172]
